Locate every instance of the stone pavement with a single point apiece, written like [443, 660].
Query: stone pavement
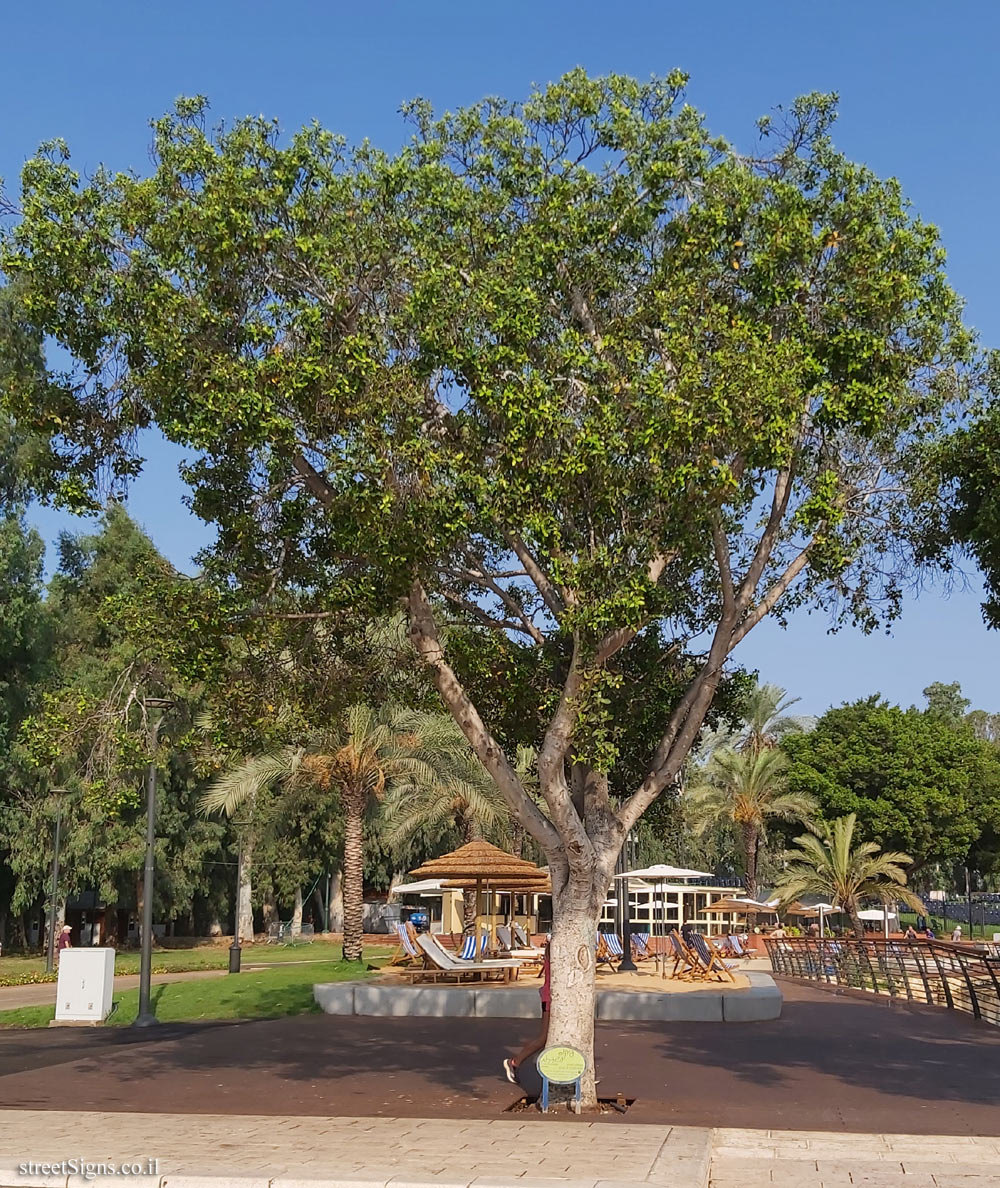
[213, 1151]
[794, 1158]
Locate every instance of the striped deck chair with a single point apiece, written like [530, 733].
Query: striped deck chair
[640, 946]
[406, 952]
[736, 946]
[613, 946]
[686, 966]
[602, 953]
[469, 947]
[713, 966]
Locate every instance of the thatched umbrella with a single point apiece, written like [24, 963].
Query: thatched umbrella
[483, 863]
[727, 904]
[515, 885]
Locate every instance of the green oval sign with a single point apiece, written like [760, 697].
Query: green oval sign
[561, 1065]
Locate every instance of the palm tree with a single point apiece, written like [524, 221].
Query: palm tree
[746, 788]
[463, 798]
[359, 758]
[766, 720]
[830, 863]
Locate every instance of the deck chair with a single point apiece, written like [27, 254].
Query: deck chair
[469, 947]
[640, 946]
[713, 966]
[531, 958]
[686, 967]
[406, 952]
[521, 938]
[440, 964]
[602, 953]
[736, 946]
[613, 945]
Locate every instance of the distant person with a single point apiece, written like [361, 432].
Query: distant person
[956, 936]
[686, 930]
[814, 930]
[532, 1047]
[65, 940]
[778, 933]
[929, 933]
[910, 934]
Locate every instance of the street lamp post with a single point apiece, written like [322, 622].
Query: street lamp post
[235, 950]
[50, 956]
[626, 965]
[146, 1018]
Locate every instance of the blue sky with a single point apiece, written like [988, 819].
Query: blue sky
[918, 100]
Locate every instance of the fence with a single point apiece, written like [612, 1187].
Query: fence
[934, 972]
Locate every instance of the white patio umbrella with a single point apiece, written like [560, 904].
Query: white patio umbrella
[662, 873]
[882, 914]
[823, 910]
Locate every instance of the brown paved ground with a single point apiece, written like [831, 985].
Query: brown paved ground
[829, 1063]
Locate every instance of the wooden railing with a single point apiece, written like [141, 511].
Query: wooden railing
[935, 972]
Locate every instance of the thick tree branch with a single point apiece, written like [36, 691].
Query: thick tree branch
[554, 600]
[770, 599]
[424, 634]
[553, 754]
[768, 539]
[721, 544]
[315, 483]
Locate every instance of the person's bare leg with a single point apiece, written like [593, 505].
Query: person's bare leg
[535, 1045]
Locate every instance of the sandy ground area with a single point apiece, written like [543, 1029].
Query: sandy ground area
[647, 978]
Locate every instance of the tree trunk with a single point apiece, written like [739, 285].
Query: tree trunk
[335, 908]
[576, 908]
[297, 913]
[319, 898]
[244, 903]
[269, 910]
[517, 839]
[469, 905]
[856, 921]
[354, 858]
[749, 836]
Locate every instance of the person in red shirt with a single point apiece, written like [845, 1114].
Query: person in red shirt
[534, 1046]
[65, 940]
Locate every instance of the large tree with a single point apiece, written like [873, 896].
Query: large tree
[916, 781]
[568, 369]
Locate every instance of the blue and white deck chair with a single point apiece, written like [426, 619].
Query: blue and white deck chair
[613, 944]
[407, 950]
[602, 954]
[468, 952]
[714, 965]
[640, 946]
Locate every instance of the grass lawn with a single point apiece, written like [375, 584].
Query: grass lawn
[944, 931]
[17, 970]
[285, 989]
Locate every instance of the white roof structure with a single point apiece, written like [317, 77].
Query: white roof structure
[661, 872]
[423, 887]
[876, 914]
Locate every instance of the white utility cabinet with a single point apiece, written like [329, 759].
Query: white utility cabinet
[86, 984]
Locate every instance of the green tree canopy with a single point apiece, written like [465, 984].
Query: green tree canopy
[915, 781]
[565, 368]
